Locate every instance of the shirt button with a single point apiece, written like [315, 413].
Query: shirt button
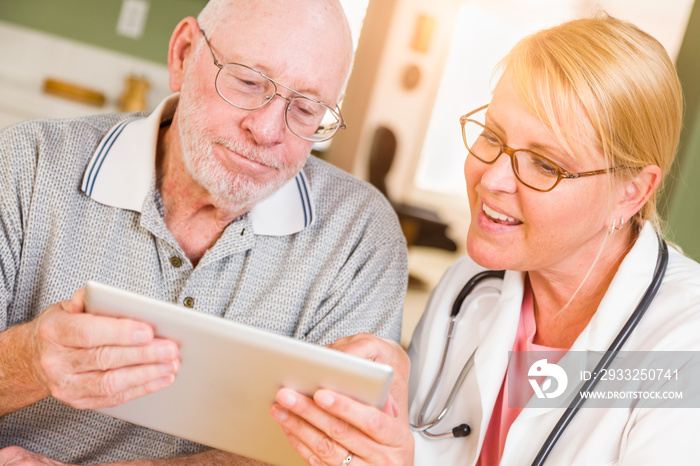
[175, 261]
[189, 302]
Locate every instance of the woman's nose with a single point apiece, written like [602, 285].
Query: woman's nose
[499, 175]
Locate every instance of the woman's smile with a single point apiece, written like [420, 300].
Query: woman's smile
[498, 217]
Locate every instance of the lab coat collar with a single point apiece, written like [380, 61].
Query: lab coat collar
[122, 169]
[624, 293]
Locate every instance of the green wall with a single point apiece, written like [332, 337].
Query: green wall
[683, 208]
[95, 22]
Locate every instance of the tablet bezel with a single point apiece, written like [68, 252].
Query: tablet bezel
[229, 410]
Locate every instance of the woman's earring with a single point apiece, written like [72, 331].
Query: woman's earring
[614, 226]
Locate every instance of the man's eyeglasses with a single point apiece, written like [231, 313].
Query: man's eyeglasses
[249, 89]
[532, 169]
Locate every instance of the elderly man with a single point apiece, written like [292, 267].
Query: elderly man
[211, 202]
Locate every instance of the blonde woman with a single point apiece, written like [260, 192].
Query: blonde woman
[562, 171]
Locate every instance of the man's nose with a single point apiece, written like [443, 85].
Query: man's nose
[267, 124]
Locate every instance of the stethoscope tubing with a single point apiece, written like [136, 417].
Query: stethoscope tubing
[608, 357]
[573, 408]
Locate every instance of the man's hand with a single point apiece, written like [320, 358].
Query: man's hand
[16, 456]
[83, 360]
[89, 361]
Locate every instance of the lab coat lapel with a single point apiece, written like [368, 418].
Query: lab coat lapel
[497, 332]
[532, 427]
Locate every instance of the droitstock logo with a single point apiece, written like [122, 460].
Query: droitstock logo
[552, 372]
[648, 379]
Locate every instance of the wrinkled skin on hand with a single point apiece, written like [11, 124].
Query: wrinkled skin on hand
[89, 361]
[16, 456]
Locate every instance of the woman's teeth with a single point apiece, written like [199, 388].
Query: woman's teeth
[497, 215]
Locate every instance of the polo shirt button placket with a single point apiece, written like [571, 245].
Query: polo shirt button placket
[175, 261]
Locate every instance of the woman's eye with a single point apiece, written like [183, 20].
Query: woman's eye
[490, 138]
[543, 166]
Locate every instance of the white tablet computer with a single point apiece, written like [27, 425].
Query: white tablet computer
[229, 375]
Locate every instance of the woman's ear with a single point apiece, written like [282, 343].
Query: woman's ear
[182, 43]
[635, 192]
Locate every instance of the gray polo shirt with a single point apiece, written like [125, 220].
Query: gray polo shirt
[322, 258]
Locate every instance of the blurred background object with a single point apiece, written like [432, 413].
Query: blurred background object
[73, 92]
[133, 98]
[421, 226]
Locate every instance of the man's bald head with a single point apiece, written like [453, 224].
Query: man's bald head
[318, 27]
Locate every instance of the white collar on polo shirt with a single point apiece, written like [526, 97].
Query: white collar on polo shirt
[121, 171]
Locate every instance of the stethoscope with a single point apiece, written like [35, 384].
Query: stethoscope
[464, 430]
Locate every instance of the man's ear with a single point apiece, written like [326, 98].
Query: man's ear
[635, 192]
[182, 43]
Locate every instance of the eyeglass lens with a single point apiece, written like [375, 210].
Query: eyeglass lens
[246, 88]
[531, 169]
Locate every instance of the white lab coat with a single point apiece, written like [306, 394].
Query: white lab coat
[597, 436]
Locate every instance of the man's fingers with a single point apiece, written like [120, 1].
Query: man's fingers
[104, 358]
[19, 456]
[76, 373]
[113, 387]
[77, 302]
[87, 331]
[90, 361]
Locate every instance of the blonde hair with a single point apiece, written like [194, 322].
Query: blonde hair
[616, 75]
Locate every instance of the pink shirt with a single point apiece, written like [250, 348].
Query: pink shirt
[503, 415]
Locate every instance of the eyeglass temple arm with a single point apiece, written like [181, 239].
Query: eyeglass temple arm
[591, 173]
[474, 111]
[211, 51]
[340, 115]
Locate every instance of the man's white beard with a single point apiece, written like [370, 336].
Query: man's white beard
[234, 190]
